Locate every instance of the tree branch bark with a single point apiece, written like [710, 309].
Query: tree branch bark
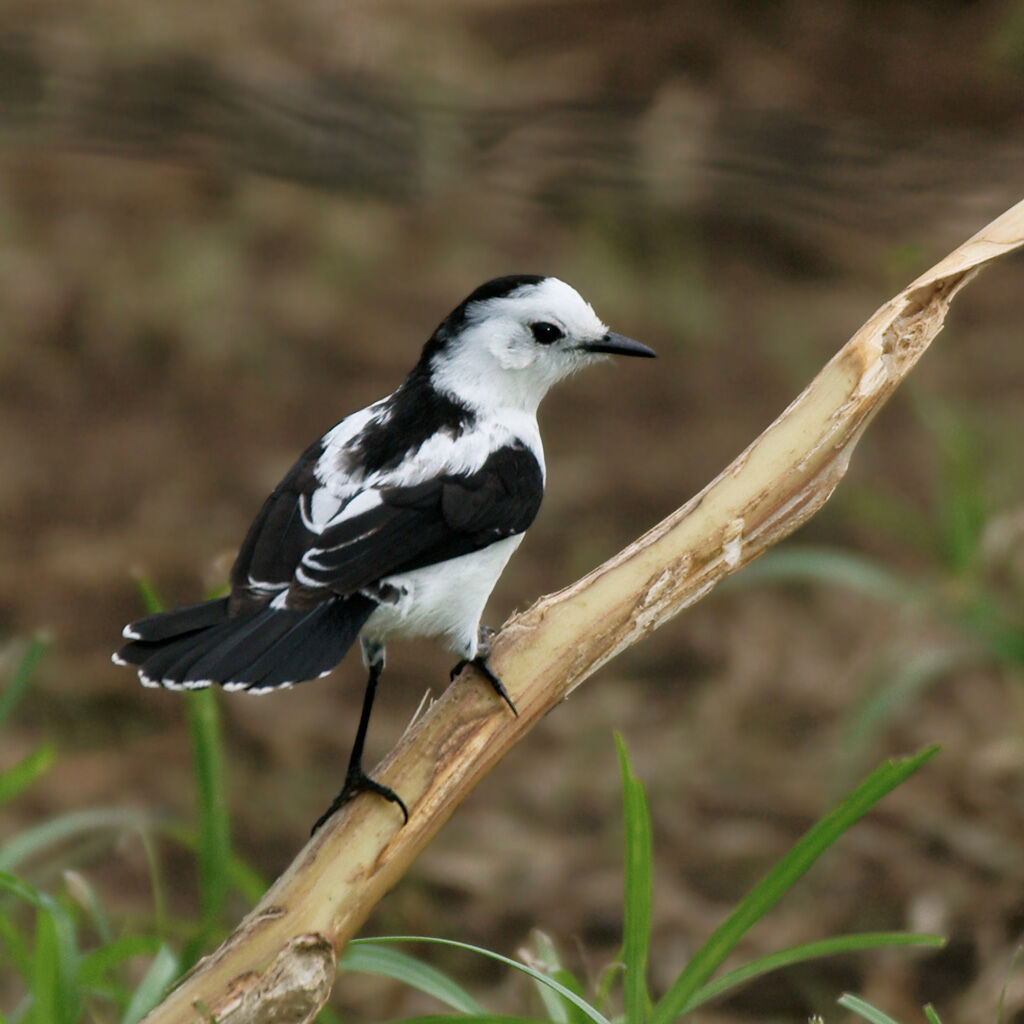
[279, 963]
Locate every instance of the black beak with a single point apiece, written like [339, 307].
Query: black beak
[618, 345]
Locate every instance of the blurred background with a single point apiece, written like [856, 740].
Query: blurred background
[225, 226]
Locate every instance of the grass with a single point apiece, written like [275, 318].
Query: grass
[72, 961]
[626, 985]
[75, 963]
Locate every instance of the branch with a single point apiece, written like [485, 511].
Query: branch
[279, 963]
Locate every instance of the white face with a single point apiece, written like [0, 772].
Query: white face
[512, 349]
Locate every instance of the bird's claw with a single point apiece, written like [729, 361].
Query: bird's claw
[356, 782]
[480, 664]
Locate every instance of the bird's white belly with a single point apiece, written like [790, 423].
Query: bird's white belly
[444, 600]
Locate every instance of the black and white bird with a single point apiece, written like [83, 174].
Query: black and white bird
[399, 520]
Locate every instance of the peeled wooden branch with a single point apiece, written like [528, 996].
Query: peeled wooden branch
[279, 963]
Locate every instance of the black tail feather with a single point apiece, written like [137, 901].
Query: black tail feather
[264, 650]
[223, 661]
[168, 625]
[313, 646]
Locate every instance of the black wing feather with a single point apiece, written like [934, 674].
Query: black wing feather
[278, 537]
[431, 522]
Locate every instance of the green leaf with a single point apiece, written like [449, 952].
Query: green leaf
[95, 966]
[868, 717]
[836, 568]
[242, 876]
[15, 947]
[776, 883]
[37, 647]
[150, 599]
[572, 983]
[389, 963]
[85, 896]
[69, 826]
[809, 951]
[214, 849]
[582, 1004]
[638, 890]
[558, 1010]
[865, 1009]
[53, 979]
[44, 981]
[473, 1018]
[214, 846]
[932, 1017]
[962, 505]
[162, 971]
[20, 776]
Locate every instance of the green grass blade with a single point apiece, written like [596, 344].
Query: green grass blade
[558, 1010]
[545, 953]
[37, 647]
[931, 1016]
[775, 884]
[808, 951]
[864, 1009]
[83, 893]
[69, 826]
[870, 716]
[572, 983]
[97, 965]
[244, 878]
[589, 1011]
[962, 506]
[162, 971]
[389, 963]
[214, 849]
[473, 1018]
[638, 893]
[150, 599]
[14, 946]
[20, 776]
[15, 886]
[44, 982]
[54, 969]
[835, 568]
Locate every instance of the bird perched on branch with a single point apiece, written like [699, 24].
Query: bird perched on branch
[399, 520]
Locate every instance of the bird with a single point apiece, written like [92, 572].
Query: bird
[397, 522]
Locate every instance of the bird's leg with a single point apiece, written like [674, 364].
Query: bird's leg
[356, 780]
[479, 662]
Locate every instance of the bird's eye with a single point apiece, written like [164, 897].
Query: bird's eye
[545, 334]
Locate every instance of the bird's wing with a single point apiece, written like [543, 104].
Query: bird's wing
[414, 526]
[277, 538]
[383, 530]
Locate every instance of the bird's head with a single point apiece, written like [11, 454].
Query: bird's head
[514, 337]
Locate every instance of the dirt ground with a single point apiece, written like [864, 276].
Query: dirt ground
[222, 230]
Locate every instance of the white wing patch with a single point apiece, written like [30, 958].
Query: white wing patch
[318, 509]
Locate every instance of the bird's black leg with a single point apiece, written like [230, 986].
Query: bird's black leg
[356, 780]
[483, 652]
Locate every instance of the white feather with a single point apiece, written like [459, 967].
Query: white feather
[444, 601]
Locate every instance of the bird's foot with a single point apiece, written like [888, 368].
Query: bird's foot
[483, 644]
[480, 664]
[356, 782]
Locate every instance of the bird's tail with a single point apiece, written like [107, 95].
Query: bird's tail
[200, 645]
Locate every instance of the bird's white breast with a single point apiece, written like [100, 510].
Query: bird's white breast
[444, 601]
